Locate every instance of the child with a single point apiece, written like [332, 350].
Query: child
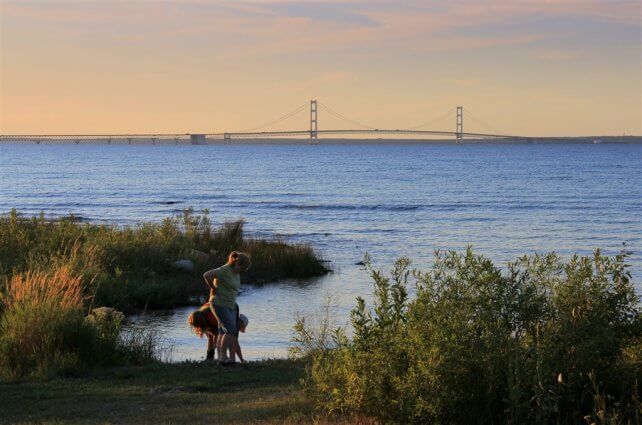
[203, 322]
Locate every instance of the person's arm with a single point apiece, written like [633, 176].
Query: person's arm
[238, 351]
[210, 277]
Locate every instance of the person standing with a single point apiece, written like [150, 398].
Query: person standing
[224, 283]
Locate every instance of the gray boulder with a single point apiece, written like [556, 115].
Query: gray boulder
[185, 265]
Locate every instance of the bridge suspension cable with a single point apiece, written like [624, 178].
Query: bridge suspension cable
[470, 116]
[446, 114]
[298, 110]
[327, 109]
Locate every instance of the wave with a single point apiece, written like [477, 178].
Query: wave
[352, 207]
[382, 207]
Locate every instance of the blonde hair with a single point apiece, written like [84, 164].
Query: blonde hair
[240, 258]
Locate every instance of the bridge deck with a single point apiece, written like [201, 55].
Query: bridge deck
[237, 135]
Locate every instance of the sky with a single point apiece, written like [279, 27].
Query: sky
[520, 67]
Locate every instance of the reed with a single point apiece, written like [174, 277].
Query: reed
[42, 326]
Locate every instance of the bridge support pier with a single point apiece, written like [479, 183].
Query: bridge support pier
[313, 122]
[197, 139]
[227, 138]
[459, 138]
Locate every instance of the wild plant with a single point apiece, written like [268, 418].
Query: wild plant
[478, 344]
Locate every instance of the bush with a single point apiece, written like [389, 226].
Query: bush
[107, 322]
[542, 342]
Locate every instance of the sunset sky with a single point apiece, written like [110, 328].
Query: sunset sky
[525, 67]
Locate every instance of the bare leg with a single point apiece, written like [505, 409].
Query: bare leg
[238, 351]
[220, 347]
[229, 344]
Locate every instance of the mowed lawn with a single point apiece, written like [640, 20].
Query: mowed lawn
[192, 393]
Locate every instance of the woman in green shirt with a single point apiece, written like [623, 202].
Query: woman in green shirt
[225, 283]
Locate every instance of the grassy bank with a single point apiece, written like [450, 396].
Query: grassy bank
[540, 341]
[192, 393]
[132, 268]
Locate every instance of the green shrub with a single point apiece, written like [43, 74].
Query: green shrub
[541, 342]
[107, 322]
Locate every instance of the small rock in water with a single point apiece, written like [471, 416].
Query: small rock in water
[185, 265]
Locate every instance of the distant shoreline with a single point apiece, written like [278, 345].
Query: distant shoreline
[627, 140]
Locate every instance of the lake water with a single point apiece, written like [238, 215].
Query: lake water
[387, 199]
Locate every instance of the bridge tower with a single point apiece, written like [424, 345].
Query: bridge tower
[313, 122]
[460, 125]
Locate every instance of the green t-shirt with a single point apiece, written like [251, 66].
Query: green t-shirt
[227, 287]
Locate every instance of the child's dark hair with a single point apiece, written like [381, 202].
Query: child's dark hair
[198, 322]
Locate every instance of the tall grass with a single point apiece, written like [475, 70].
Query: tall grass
[44, 329]
[544, 341]
[131, 268]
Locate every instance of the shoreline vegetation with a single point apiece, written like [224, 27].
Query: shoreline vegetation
[149, 265]
[540, 341]
[544, 341]
[65, 285]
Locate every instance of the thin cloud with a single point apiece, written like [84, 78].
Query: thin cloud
[462, 82]
[555, 55]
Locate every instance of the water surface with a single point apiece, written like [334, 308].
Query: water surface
[388, 200]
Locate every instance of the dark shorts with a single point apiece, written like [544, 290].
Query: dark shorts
[226, 319]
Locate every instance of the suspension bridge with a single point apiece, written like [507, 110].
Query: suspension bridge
[312, 134]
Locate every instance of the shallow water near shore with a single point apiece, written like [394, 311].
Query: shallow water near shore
[387, 199]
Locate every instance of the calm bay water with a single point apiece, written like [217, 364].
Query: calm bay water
[388, 200]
